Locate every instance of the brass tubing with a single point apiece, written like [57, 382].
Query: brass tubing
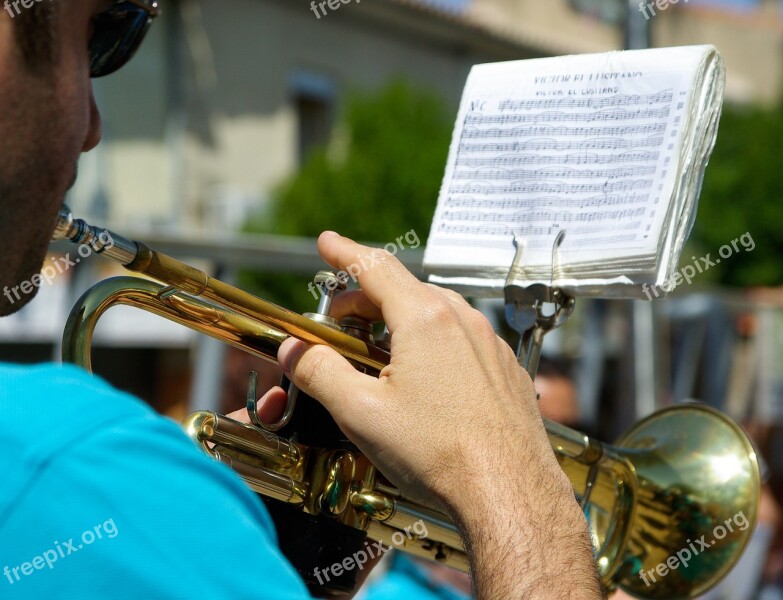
[440, 528]
[397, 512]
[236, 330]
[575, 445]
[424, 547]
[193, 281]
[209, 426]
[264, 481]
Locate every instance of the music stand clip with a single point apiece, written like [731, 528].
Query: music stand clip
[525, 307]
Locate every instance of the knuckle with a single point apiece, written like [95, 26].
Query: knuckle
[450, 294]
[440, 313]
[479, 320]
[312, 367]
[480, 325]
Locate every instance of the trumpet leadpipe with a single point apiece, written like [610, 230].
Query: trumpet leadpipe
[138, 258]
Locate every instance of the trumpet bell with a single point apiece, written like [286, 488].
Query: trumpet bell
[697, 488]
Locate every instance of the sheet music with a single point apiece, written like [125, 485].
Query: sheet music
[588, 144]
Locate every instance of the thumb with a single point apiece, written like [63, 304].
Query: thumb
[319, 371]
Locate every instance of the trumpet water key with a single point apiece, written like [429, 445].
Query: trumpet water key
[673, 478]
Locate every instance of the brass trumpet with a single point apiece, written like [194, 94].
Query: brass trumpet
[681, 475]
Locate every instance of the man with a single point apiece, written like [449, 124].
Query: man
[102, 498]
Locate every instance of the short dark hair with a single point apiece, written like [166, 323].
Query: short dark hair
[34, 29]
[554, 368]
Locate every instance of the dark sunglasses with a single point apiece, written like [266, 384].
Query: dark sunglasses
[117, 34]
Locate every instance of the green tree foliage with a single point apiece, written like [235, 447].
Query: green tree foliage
[381, 180]
[742, 193]
[377, 180]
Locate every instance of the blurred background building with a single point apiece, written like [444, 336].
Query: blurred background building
[226, 98]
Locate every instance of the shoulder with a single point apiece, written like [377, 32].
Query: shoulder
[64, 420]
[161, 513]
[47, 410]
[61, 394]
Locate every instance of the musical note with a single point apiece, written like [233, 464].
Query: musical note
[615, 114]
[561, 173]
[563, 131]
[663, 97]
[551, 144]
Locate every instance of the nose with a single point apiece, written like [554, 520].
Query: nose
[95, 130]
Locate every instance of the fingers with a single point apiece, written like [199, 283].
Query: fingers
[319, 371]
[270, 407]
[355, 304]
[240, 415]
[385, 281]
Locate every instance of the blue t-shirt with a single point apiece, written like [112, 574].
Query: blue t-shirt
[409, 580]
[100, 497]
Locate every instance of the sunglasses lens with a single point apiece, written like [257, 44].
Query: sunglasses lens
[117, 34]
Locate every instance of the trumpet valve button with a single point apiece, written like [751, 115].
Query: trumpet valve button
[328, 284]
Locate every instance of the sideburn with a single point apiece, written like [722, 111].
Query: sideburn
[34, 30]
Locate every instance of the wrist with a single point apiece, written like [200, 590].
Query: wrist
[524, 532]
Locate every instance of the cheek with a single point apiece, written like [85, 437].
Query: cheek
[73, 95]
[72, 120]
[68, 125]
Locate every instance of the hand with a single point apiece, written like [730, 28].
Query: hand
[454, 419]
[436, 416]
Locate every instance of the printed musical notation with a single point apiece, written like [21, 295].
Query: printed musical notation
[534, 166]
[561, 130]
[526, 231]
[560, 173]
[608, 149]
[585, 158]
[550, 201]
[664, 97]
[548, 216]
[617, 114]
[552, 144]
[488, 189]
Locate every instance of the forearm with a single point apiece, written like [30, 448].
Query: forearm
[527, 539]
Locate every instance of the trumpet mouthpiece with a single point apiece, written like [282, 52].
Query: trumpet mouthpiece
[63, 225]
[102, 241]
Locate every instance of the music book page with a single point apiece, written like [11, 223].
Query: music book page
[608, 148]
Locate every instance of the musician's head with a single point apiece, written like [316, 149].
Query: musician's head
[559, 398]
[49, 49]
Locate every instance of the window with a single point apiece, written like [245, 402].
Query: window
[313, 99]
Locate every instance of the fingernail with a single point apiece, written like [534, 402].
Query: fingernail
[330, 234]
